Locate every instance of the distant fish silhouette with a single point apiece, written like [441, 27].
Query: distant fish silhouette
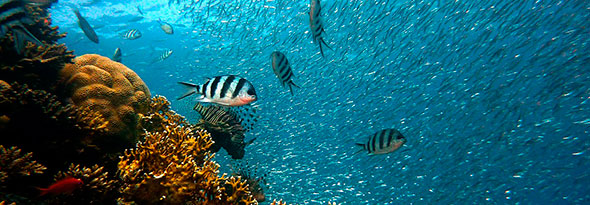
[85, 26]
[117, 55]
[167, 28]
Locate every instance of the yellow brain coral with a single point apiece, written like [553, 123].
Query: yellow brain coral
[108, 87]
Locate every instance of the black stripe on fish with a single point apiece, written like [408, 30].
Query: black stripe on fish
[205, 88]
[213, 87]
[226, 85]
[239, 87]
[382, 138]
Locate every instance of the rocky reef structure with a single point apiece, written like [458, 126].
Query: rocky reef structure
[14, 163]
[110, 88]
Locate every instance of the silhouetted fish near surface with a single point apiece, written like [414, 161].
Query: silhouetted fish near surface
[13, 16]
[132, 34]
[85, 26]
[317, 25]
[166, 27]
[139, 10]
[282, 69]
[384, 141]
[117, 55]
[163, 56]
[228, 90]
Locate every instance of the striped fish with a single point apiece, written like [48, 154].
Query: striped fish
[384, 141]
[316, 24]
[282, 69]
[117, 55]
[13, 17]
[85, 26]
[164, 55]
[228, 90]
[132, 34]
[238, 119]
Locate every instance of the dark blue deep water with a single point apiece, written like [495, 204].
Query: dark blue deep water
[492, 96]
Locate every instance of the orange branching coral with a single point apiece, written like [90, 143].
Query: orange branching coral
[110, 88]
[13, 162]
[172, 164]
[280, 202]
[98, 188]
[168, 165]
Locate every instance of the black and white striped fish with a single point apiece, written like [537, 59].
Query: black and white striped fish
[13, 17]
[384, 141]
[317, 25]
[228, 90]
[282, 69]
[164, 55]
[132, 34]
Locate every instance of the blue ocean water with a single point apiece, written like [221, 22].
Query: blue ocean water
[492, 96]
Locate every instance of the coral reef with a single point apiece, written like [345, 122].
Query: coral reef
[110, 88]
[254, 178]
[35, 120]
[173, 165]
[13, 162]
[98, 188]
[225, 128]
[38, 65]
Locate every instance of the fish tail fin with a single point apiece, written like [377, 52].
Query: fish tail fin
[43, 191]
[193, 88]
[20, 35]
[321, 41]
[250, 142]
[291, 88]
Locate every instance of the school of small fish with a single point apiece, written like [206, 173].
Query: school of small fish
[493, 95]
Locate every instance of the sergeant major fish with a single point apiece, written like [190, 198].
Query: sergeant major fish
[228, 90]
[13, 16]
[282, 69]
[164, 55]
[132, 34]
[384, 141]
[117, 55]
[85, 26]
[167, 28]
[316, 24]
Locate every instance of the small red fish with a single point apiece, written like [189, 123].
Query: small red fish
[67, 185]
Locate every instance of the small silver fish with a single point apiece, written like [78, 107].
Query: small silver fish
[282, 69]
[384, 141]
[167, 28]
[117, 55]
[132, 34]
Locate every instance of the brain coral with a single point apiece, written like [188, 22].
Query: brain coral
[110, 88]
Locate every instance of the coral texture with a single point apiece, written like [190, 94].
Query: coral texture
[173, 165]
[38, 65]
[13, 162]
[110, 88]
[98, 187]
